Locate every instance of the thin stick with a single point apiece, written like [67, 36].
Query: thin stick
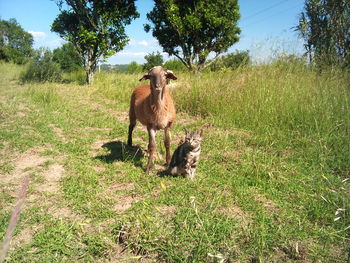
[14, 219]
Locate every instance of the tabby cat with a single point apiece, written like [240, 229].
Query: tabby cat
[185, 158]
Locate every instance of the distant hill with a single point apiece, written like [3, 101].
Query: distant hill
[114, 68]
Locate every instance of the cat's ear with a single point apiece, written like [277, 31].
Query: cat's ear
[186, 131]
[200, 132]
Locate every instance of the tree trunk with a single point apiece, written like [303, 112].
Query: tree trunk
[90, 70]
[89, 76]
[90, 66]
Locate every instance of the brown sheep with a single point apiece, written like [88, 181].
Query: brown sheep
[153, 106]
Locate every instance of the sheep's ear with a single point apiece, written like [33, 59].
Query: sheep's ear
[144, 77]
[170, 75]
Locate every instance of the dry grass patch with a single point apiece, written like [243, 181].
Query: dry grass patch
[121, 195]
[269, 205]
[235, 212]
[166, 210]
[23, 164]
[25, 236]
[58, 131]
[52, 177]
[99, 168]
[113, 189]
[65, 212]
[125, 202]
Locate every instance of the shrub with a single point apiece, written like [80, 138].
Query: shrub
[231, 61]
[42, 69]
[175, 64]
[133, 67]
[67, 57]
[153, 59]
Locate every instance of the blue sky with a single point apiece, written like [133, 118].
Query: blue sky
[266, 27]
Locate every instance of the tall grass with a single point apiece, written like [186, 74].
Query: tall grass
[116, 87]
[288, 103]
[10, 71]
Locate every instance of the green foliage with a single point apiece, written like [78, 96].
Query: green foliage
[153, 59]
[325, 27]
[190, 30]
[42, 68]
[67, 57]
[175, 65]
[231, 61]
[96, 244]
[15, 42]
[121, 67]
[95, 28]
[134, 67]
[108, 68]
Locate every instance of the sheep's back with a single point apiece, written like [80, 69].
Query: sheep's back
[146, 113]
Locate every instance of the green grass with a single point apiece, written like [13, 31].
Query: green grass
[270, 180]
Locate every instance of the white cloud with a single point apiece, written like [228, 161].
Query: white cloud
[132, 42]
[55, 43]
[125, 57]
[38, 36]
[143, 43]
[131, 54]
[49, 40]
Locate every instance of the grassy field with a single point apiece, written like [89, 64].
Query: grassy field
[272, 184]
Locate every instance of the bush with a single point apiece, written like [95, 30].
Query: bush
[231, 61]
[133, 67]
[175, 65]
[67, 57]
[153, 59]
[42, 69]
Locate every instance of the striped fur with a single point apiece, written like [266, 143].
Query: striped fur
[185, 158]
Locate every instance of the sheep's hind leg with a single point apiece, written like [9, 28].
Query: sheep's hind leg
[132, 121]
[151, 147]
[167, 145]
[131, 128]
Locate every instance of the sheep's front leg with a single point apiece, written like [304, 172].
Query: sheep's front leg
[167, 145]
[151, 147]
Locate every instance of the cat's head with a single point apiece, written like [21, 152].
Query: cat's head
[193, 138]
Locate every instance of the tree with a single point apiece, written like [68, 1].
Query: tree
[67, 57]
[133, 67]
[153, 59]
[325, 27]
[232, 61]
[192, 29]
[175, 65]
[42, 68]
[95, 28]
[15, 43]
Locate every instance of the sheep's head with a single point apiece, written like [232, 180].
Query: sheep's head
[159, 77]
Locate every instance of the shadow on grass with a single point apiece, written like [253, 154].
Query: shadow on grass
[166, 173]
[120, 151]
